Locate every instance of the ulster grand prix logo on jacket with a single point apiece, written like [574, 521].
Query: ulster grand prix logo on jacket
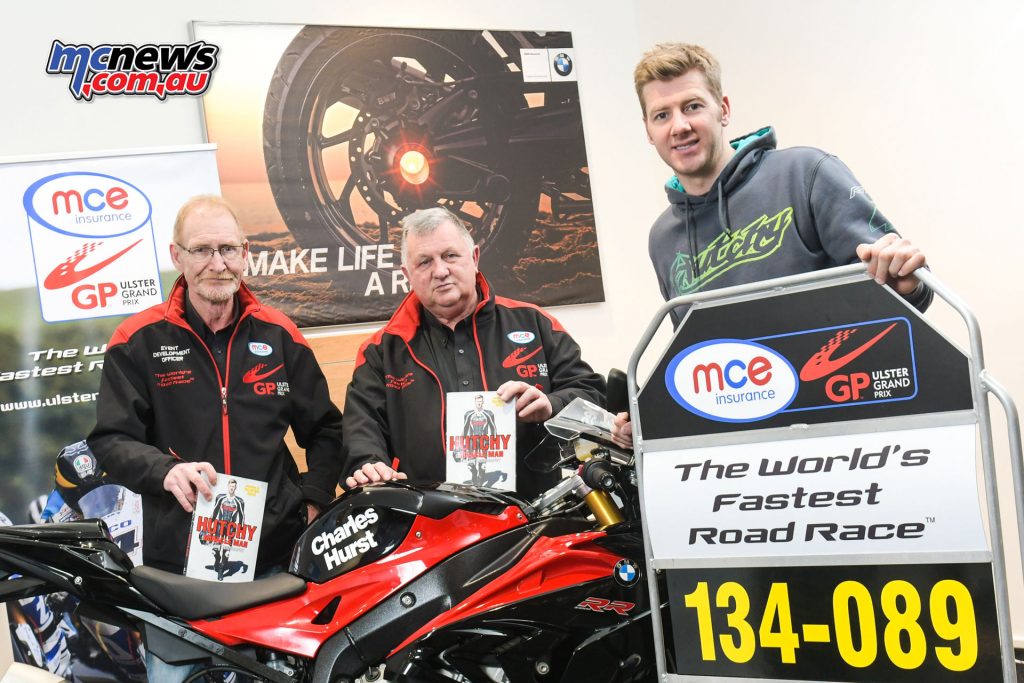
[260, 379]
[518, 360]
[757, 241]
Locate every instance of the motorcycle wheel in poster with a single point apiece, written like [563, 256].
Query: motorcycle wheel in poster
[362, 126]
[428, 128]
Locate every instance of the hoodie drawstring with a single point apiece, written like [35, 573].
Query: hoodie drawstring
[691, 230]
[723, 212]
[691, 233]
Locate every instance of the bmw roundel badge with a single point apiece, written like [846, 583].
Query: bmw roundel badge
[563, 64]
[626, 572]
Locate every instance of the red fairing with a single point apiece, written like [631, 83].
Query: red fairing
[549, 565]
[287, 625]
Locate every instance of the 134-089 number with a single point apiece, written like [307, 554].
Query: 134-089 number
[846, 623]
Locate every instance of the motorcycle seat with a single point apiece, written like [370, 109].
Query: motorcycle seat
[198, 599]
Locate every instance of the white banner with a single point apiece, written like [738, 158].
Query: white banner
[85, 244]
[97, 227]
[907, 491]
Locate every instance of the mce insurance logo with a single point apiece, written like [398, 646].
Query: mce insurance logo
[126, 69]
[745, 380]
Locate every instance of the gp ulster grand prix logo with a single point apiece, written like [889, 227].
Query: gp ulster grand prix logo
[157, 70]
[92, 246]
[259, 377]
[733, 380]
[517, 359]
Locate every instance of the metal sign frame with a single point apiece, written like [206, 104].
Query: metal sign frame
[982, 385]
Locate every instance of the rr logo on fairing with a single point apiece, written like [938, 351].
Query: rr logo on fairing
[602, 605]
[126, 69]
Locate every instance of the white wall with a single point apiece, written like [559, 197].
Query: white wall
[920, 98]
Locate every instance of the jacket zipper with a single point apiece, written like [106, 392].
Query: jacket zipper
[479, 351]
[223, 382]
[440, 390]
[224, 395]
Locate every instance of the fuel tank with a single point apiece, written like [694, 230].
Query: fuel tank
[368, 523]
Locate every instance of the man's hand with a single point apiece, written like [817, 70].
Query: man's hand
[893, 260]
[185, 479]
[312, 512]
[372, 472]
[622, 430]
[532, 404]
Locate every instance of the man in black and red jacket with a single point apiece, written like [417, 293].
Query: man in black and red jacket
[452, 333]
[210, 381]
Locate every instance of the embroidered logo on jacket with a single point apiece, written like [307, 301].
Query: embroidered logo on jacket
[260, 348]
[255, 376]
[255, 373]
[759, 240]
[519, 356]
[173, 378]
[398, 383]
[521, 337]
[171, 354]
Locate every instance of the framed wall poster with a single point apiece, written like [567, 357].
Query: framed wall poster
[329, 135]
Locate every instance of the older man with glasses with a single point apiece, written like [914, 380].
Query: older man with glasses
[210, 381]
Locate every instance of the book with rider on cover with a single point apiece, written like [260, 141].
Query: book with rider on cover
[225, 535]
[480, 440]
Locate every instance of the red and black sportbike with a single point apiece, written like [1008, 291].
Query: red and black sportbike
[398, 582]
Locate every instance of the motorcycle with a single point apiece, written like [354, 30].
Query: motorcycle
[398, 582]
[363, 126]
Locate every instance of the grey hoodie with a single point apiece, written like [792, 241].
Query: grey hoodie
[770, 213]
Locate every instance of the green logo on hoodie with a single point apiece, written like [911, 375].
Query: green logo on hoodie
[756, 241]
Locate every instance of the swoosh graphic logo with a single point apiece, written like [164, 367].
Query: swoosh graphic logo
[822, 363]
[67, 273]
[517, 358]
[254, 374]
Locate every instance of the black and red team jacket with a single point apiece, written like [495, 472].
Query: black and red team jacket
[395, 406]
[162, 400]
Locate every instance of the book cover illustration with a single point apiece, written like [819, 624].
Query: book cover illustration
[480, 440]
[225, 535]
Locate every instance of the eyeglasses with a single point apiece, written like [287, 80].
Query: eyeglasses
[228, 252]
